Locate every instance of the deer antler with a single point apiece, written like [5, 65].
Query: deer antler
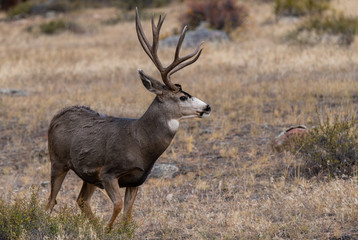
[152, 51]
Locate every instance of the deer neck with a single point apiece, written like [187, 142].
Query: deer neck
[156, 129]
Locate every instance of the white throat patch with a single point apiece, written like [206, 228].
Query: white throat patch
[173, 125]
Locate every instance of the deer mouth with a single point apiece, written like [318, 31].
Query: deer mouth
[205, 113]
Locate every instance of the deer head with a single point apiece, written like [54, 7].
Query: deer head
[182, 103]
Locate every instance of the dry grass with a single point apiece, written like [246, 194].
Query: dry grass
[232, 186]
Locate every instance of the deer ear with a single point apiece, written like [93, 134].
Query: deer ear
[151, 84]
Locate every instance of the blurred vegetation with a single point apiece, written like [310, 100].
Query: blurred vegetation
[53, 27]
[58, 26]
[21, 10]
[322, 23]
[314, 29]
[41, 7]
[25, 218]
[220, 14]
[300, 7]
[129, 16]
[131, 4]
[330, 148]
[336, 24]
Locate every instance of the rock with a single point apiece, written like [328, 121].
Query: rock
[286, 138]
[13, 92]
[45, 183]
[169, 197]
[164, 170]
[194, 38]
[206, 131]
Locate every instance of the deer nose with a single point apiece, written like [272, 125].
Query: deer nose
[208, 108]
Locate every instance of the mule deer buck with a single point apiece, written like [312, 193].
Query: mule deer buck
[113, 153]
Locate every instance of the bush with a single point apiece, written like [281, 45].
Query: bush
[41, 7]
[25, 218]
[57, 26]
[331, 25]
[129, 16]
[220, 14]
[53, 27]
[331, 148]
[300, 7]
[337, 24]
[131, 4]
[21, 10]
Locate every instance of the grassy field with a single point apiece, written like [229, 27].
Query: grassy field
[231, 184]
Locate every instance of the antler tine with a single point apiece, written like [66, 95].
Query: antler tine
[181, 39]
[152, 49]
[141, 36]
[183, 65]
[178, 62]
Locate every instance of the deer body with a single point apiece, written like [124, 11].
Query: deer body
[93, 145]
[111, 152]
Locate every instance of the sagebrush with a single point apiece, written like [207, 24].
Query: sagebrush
[330, 148]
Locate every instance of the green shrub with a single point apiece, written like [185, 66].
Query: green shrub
[131, 4]
[330, 148]
[129, 16]
[300, 7]
[220, 14]
[53, 27]
[59, 25]
[21, 10]
[82, 4]
[337, 24]
[25, 218]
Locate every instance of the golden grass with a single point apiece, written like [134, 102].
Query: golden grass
[233, 187]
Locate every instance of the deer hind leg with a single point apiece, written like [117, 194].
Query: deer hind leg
[112, 188]
[129, 197]
[84, 198]
[57, 178]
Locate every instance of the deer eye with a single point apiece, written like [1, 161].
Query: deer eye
[183, 98]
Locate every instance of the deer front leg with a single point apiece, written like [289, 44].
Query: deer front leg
[129, 197]
[112, 188]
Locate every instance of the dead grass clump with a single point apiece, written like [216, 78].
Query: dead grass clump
[330, 149]
[220, 14]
